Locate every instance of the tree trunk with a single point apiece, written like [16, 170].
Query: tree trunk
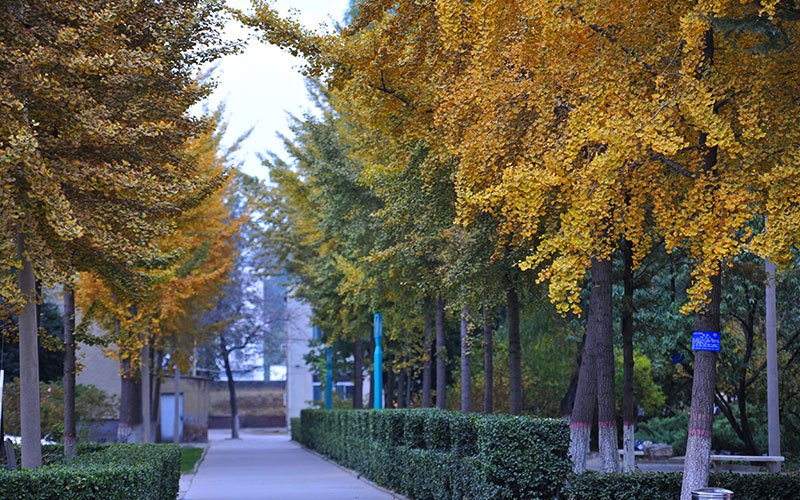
[426, 366]
[194, 359]
[583, 409]
[466, 366]
[30, 420]
[401, 389]
[514, 353]
[747, 430]
[371, 399]
[701, 418]
[358, 375]
[408, 387]
[388, 379]
[441, 356]
[741, 390]
[568, 401]
[146, 388]
[130, 428]
[70, 434]
[130, 406]
[698, 444]
[488, 364]
[176, 401]
[155, 405]
[223, 350]
[600, 318]
[628, 406]
[742, 426]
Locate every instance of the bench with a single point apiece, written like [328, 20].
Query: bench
[773, 463]
[636, 453]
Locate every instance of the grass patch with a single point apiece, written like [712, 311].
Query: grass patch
[189, 457]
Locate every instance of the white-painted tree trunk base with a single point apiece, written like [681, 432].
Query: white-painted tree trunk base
[235, 427]
[70, 448]
[628, 456]
[609, 453]
[130, 433]
[579, 436]
[696, 465]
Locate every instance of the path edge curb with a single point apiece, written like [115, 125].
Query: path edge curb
[353, 473]
[194, 471]
[202, 457]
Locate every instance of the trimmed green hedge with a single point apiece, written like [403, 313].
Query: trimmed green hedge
[667, 486]
[444, 455]
[294, 426]
[107, 471]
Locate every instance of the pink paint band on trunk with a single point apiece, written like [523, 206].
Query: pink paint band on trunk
[608, 423]
[628, 424]
[70, 439]
[580, 424]
[699, 432]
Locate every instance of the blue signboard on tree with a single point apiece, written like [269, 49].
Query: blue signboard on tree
[705, 341]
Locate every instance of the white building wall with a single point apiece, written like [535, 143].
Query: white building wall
[98, 370]
[299, 391]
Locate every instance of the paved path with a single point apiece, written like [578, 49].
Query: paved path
[675, 464]
[270, 466]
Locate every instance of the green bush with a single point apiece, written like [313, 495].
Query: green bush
[667, 486]
[296, 429]
[107, 471]
[649, 395]
[668, 430]
[433, 454]
[91, 404]
[674, 431]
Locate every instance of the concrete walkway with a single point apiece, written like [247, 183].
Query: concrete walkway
[264, 466]
[674, 464]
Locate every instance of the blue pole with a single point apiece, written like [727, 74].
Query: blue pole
[378, 329]
[329, 380]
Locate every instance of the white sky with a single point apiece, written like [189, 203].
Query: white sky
[262, 84]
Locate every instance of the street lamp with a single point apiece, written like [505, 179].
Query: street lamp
[378, 330]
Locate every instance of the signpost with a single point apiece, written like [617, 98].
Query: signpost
[378, 330]
[329, 380]
[705, 341]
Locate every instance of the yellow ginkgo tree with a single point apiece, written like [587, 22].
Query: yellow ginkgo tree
[579, 125]
[182, 288]
[93, 117]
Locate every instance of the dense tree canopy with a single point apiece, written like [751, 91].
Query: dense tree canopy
[93, 104]
[555, 135]
[532, 170]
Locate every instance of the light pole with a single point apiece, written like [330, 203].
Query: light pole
[378, 364]
[773, 419]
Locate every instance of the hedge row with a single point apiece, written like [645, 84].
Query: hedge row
[107, 471]
[434, 454]
[667, 486]
[295, 428]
